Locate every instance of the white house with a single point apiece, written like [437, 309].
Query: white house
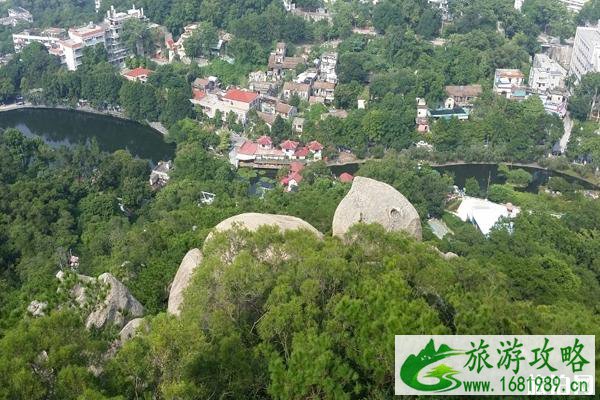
[509, 83]
[546, 74]
[484, 214]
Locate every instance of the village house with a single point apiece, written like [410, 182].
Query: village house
[159, 176]
[302, 90]
[327, 67]
[289, 147]
[209, 84]
[422, 119]
[324, 90]
[345, 177]
[509, 83]
[237, 101]
[291, 181]
[262, 83]
[298, 125]
[546, 74]
[315, 149]
[138, 75]
[279, 62]
[464, 96]
[274, 106]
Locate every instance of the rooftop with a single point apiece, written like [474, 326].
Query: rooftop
[464, 90]
[241, 95]
[137, 72]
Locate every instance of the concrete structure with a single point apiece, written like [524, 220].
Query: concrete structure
[327, 65]
[324, 90]
[422, 119]
[509, 83]
[303, 90]
[69, 47]
[586, 52]
[279, 62]
[546, 74]
[483, 213]
[237, 101]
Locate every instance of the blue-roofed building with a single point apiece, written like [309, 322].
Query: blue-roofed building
[448, 113]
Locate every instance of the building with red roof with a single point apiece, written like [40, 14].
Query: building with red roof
[197, 95]
[265, 142]
[289, 147]
[315, 148]
[240, 102]
[301, 153]
[241, 96]
[345, 177]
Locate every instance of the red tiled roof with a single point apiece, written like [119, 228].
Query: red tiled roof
[264, 140]
[302, 152]
[289, 145]
[137, 72]
[345, 177]
[296, 166]
[198, 94]
[296, 176]
[240, 95]
[248, 148]
[315, 146]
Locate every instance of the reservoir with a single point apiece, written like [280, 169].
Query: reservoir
[69, 127]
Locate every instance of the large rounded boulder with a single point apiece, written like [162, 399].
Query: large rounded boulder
[253, 221]
[188, 265]
[118, 307]
[370, 201]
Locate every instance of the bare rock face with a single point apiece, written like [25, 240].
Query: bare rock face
[253, 221]
[188, 265]
[370, 201]
[131, 329]
[118, 307]
[37, 308]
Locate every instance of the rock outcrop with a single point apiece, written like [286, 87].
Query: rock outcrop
[253, 221]
[188, 265]
[37, 308]
[107, 299]
[131, 329]
[118, 307]
[370, 201]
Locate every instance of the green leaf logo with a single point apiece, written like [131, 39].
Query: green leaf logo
[412, 366]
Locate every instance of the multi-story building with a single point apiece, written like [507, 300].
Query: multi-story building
[509, 83]
[69, 46]
[240, 102]
[327, 65]
[464, 95]
[546, 74]
[48, 37]
[586, 52]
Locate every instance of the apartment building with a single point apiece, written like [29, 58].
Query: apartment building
[586, 52]
[68, 45]
[546, 74]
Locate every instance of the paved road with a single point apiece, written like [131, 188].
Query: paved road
[564, 140]
[236, 141]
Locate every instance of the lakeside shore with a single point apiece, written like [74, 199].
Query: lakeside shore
[157, 126]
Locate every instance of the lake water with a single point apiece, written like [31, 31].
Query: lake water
[69, 127]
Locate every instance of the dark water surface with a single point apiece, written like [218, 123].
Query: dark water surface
[69, 127]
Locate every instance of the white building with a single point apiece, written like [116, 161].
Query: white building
[483, 213]
[574, 5]
[240, 102]
[546, 74]
[509, 83]
[69, 47]
[586, 52]
[327, 67]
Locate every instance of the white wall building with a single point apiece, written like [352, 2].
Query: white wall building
[546, 74]
[69, 47]
[586, 52]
